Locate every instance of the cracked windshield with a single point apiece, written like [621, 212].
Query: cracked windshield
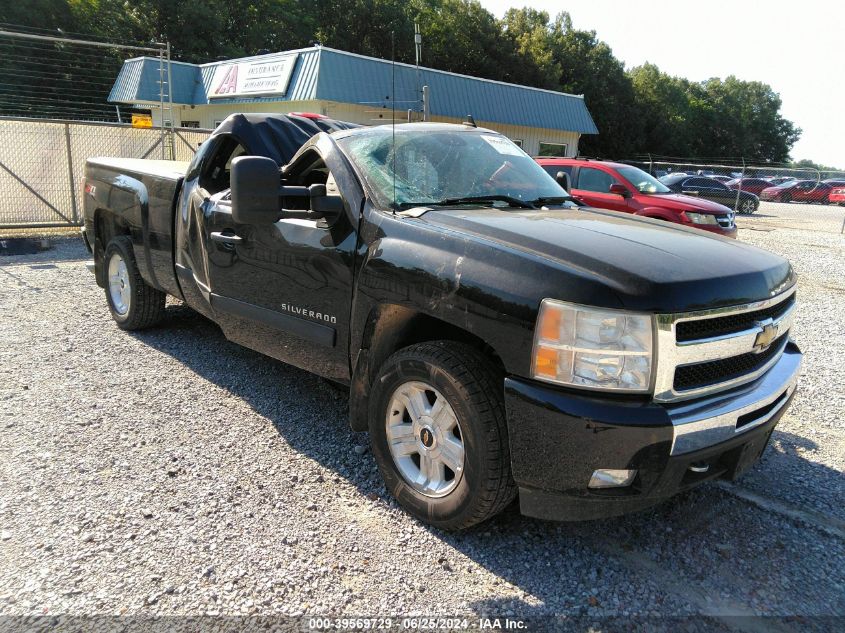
[434, 167]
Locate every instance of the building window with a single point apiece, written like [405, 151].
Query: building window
[190, 124]
[217, 122]
[517, 142]
[553, 149]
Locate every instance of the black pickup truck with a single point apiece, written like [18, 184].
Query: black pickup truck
[496, 338]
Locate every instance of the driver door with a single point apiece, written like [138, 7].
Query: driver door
[285, 289]
[593, 189]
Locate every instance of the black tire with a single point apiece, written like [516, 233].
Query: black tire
[145, 305]
[786, 197]
[473, 388]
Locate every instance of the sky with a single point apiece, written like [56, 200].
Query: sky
[798, 48]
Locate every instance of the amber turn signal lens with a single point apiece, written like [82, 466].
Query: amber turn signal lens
[545, 362]
[550, 325]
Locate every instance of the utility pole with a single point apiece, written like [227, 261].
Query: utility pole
[424, 89]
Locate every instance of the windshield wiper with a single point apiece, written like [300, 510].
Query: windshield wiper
[514, 202]
[552, 199]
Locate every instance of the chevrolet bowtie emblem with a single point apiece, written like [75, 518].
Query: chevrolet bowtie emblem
[765, 338]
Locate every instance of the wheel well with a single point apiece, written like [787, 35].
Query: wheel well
[391, 328]
[107, 226]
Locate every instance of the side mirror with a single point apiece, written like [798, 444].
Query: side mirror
[255, 184]
[562, 179]
[619, 190]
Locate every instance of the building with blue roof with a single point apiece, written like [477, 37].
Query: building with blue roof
[355, 88]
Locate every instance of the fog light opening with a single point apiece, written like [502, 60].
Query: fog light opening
[608, 478]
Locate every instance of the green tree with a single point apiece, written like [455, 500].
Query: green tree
[530, 35]
[710, 119]
[588, 67]
[642, 110]
[748, 120]
[664, 111]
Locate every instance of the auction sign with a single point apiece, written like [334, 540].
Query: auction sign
[264, 77]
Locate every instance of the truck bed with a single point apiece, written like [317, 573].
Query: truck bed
[141, 196]
[167, 169]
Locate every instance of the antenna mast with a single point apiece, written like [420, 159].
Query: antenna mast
[393, 105]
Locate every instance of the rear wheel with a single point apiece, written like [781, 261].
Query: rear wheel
[439, 434]
[134, 305]
[747, 207]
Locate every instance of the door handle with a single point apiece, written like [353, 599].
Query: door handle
[226, 238]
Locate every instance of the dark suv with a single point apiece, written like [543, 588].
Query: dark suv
[711, 189]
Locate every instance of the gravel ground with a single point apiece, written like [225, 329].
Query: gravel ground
[171, 472]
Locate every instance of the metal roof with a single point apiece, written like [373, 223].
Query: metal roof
[333, 75]
[138, 80]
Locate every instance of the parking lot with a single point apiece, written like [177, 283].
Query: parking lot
[172, 472]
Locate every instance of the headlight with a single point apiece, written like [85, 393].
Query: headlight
[701, 218]
[592, 348]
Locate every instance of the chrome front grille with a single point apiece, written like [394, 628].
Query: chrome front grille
[731, 323]
[716, 371]
[705, 352]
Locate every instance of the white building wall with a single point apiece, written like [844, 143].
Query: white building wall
[210, 115]
[530, 137]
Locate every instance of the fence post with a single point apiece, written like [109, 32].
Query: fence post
[75, 215]
[739, 189]
[650, 165]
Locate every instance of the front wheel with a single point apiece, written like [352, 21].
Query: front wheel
[439, 434]
[134, 305]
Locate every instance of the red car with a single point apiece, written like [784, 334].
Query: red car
[837, 196]
[626, 188]
[798, 191]
[751, 185]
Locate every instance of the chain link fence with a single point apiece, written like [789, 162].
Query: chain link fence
[55, 113]
[743, 186]
[42, 163]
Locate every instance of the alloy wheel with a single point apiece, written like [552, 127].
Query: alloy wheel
[425, 439]
[120, 289]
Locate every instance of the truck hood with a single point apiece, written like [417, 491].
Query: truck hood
[677, 201]
[613, 260]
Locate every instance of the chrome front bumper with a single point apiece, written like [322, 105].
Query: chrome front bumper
[709, 421]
